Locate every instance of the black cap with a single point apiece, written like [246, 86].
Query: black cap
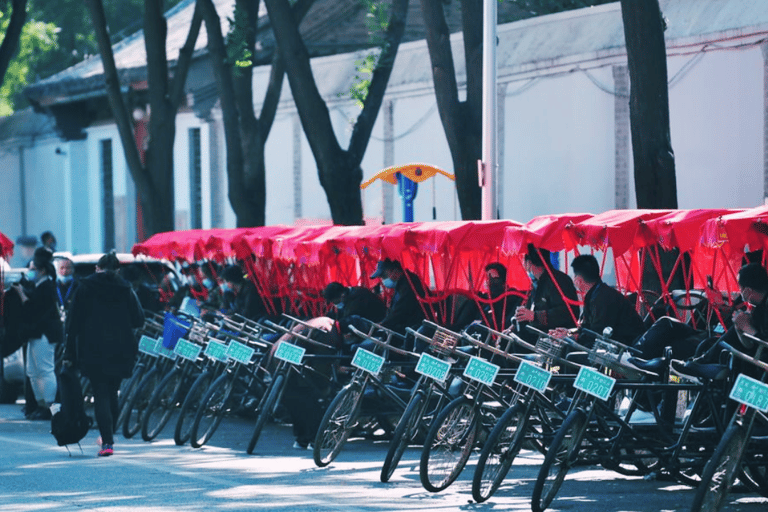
[383, 266]
[538, 257]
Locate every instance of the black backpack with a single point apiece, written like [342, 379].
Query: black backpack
[70, 424]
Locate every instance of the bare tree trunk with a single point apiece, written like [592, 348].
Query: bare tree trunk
[12, 35]
[339, 171]
[154, 182]
[462, 121]
[245, 134]
[655, 184]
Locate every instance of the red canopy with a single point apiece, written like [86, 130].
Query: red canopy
[618, 230]
[545, 232]
[735, 231]
[190, 245]
[6, 246]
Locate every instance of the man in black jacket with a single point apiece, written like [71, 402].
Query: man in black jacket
[551, 303]
[604, 306]
[240, 294]
[100, 339]
[404, 309]
[354, 301]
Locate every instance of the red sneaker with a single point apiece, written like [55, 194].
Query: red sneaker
[106, 450]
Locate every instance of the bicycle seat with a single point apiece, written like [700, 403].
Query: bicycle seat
[655, 365]
[708, 371]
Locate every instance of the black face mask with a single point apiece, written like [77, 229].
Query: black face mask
[495, 289]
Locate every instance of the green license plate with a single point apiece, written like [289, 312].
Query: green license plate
[433, 367]
[148, 346]
[216, 350]
[594, 383]
[481, 371]
[165, 352]
[532, 376]
[187, 350]
[289, 353]
[239, 352]
[367, 361]
[751, 392]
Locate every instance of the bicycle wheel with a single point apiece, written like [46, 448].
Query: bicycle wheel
[266, 408]
[721, 470]
[448, 444]
[337, 424]
[162, 404]
[211, 412]
[128, 387]
[404, 433]
[500, 449]
[562, 453]
[134, 409]
[190, 407]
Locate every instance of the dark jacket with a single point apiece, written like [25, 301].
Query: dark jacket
[362, 302]
[248, 302]
[605, 306]
[40, 314]
[65, 292]
[549, 307]
[405, 310]
[100, 325]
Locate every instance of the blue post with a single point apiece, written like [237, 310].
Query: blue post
[407, 190]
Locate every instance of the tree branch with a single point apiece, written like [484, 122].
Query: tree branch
[12, 36]
[277, 73]
[361, 134]
[185, 59]
[119, 109]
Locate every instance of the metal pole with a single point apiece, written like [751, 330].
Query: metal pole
[488, 180]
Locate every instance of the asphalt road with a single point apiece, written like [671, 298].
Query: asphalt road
[37, 475]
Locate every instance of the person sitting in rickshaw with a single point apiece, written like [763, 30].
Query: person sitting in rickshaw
[552, 302]
[240, 294]
[404, 309]
[351, 303]
[604, 306]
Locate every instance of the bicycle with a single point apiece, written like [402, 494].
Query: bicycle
[344, 411]
[292, 361]
[428, 396]
[739, 450]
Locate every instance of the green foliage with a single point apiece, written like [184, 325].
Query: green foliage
[239, 53]
[364, 68]
[36, 39]
[376, 19]
[71, 41]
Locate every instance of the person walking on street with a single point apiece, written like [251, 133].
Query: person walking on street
[100, 339]
[42, 330]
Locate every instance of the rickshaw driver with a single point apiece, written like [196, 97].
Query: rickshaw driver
[353, 303]
[604, 306]
[546, 308]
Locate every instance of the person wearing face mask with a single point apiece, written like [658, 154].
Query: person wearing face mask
[404, 309]
[240, 294]
[546, 307]
[604, 306]
[351, 303]
[753, 286]
[42, 329]
[66, 283]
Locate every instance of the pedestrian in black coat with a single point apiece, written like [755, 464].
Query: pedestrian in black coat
[100, 339]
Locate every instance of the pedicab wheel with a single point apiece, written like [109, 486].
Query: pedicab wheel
[161, 405]
[266, 408]
[189, 408]
[498, 453]
[721, 471]
[337, 424]
[128, 389]
[134, 409]
[211, 411]
[561, 454]
[448, 444]
[404, 433]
